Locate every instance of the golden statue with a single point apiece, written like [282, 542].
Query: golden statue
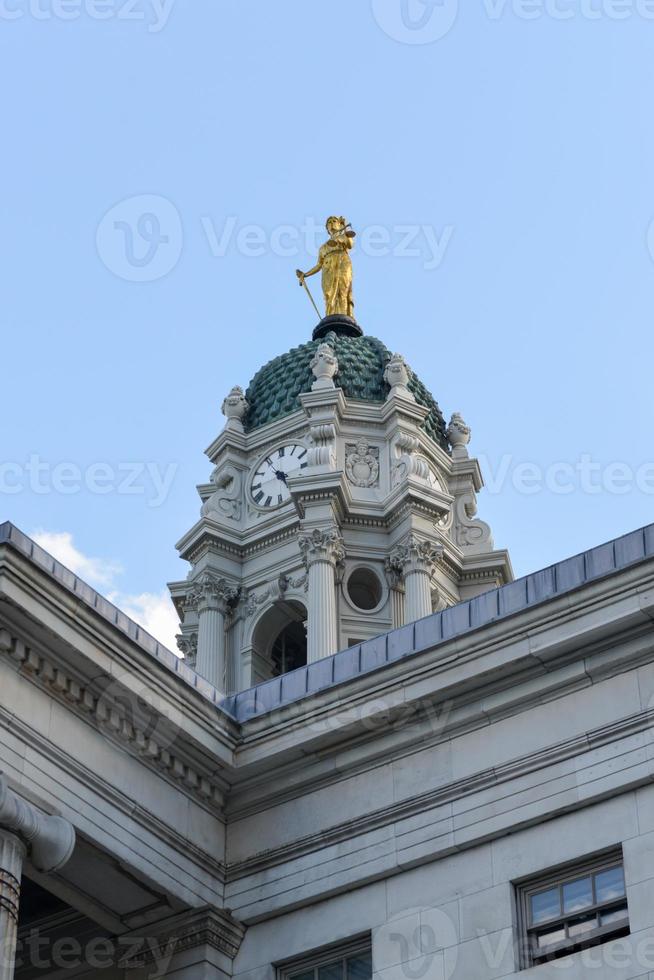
[336, 267]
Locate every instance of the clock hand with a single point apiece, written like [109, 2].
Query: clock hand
[280, 475]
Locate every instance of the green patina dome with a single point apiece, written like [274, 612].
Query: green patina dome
[273, 391]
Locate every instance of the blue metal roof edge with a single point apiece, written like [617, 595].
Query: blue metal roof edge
[548, 583]
[13, 536]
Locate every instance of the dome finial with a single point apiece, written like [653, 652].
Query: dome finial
[336, 267]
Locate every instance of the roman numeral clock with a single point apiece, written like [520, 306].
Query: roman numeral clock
[268, 484]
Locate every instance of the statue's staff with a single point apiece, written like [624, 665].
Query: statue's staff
[300, 276]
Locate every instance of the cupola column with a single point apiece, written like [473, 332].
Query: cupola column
[415, 559]
[323, 550]
[213, 598]
[50, 841]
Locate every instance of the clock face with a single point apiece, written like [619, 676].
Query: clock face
[434, 481]
[268, 484]
[433, 478]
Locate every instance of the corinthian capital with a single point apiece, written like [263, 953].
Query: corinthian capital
[414, 555]
[322, 544]
[210, 590]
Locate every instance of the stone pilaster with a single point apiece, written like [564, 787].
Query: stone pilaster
[322, 549]
[416, 559]
[213, 598]
[395, 579]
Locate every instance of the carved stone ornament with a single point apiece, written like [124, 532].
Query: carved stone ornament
[362, 464]
[235, 408]
[206, 927]
[322, 545]
[211, 590]
[397, 376]
[324, 365]
[408, 462]
[414, 555]
[187, 643]
[274, 591]
[322, 438]
[470, 533]
[226, 501]
[458, 435]
[394, 568]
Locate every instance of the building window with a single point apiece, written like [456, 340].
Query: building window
[353, 962]
[364, 589]
[574, 907]
[289, 651]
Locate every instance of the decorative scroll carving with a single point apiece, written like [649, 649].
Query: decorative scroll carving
[322, 545]
[468, 532]
[362, 463]
[408, 462]
[322, 438]
[226, 500]
[324, 366]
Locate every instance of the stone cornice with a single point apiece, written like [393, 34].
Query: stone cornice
[115, 711]
[259, 438]
[532, 644]
[484, 780]
[208, 927]
[110, 796]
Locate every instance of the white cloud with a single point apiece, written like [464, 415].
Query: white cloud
[154, 611]
[98, 572]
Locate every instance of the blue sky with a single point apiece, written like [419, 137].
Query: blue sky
[497, 159]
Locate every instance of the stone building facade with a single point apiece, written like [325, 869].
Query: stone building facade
[379, 755]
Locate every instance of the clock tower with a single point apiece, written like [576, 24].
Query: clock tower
[340, 506]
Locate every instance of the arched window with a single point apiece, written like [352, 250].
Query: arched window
[280, 639]
[289, 651]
